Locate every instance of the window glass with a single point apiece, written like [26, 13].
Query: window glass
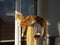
[7, 9]
[27, 7]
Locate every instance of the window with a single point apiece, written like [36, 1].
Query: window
[7, 26]
[27, 7]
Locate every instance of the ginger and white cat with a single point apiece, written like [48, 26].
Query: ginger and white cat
[29, 21]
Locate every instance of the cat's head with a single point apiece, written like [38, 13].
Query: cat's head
[19, 16]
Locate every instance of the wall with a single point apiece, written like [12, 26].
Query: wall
[54, 17]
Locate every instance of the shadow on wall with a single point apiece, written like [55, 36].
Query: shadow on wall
[54, 19]
[54, 29]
